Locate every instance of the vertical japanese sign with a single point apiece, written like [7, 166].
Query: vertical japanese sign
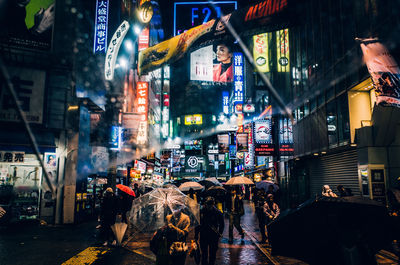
[100, 30]
[238, 77]
[144, 39]
[384, 71]
[225, 102]
[282, 50]
[249, 156]
[261, 51]
[165, 115]
[113, 48]
[142, 109]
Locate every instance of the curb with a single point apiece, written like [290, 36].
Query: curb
[262, 249]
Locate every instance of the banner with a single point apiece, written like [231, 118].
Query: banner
[171, 50]
[261, 51]
[384, 72]
[282, 50]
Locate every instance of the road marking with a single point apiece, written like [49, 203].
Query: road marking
[87, 256]
[143, 254]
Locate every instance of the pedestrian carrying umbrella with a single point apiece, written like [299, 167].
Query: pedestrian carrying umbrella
[207, 184]
[126, 189]
[190, 185]
[216, 191]
[264, 184]
[338, 228]
[149, 211]
[214, 180]
[239, 181]
[119, 230]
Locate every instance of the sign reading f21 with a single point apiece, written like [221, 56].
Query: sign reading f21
[190, 14]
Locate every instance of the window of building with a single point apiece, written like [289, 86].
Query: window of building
[343, 119]
[331, 122]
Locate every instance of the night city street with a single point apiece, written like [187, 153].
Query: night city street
[181, 132]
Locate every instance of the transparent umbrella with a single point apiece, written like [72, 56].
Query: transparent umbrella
[149, 211]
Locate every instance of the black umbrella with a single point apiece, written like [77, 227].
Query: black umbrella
[216, 191]
[207, 184]
[332, 231]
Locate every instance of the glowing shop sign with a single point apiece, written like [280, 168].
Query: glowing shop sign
[116, 135]
[238, 77]
[113, 48]
[142, 109]
[225, 102]
[100, 30]
[195, 119]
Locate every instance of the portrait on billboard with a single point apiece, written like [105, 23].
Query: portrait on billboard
[223, 68]
[212, 63]
[27, 23]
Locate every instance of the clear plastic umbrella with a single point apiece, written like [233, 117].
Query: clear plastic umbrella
[149, 211]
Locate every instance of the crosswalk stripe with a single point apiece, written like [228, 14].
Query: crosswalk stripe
[87, 256]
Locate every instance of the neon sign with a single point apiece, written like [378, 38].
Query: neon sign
[142, 109]
[238, 77]
[100, 30]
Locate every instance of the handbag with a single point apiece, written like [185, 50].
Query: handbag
[178, 248]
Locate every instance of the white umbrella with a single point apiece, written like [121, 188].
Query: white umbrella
[119, 230]
[190, 185]
[214, 180]
[239, 181]
[149, 210]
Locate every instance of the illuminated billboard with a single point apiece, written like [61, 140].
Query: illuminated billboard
[285, 137]
[262, 132]
[213, 63]
[282, 50]
[116, 138]
[195, 119]
[238, 74]
[191, 14]
[261, 51]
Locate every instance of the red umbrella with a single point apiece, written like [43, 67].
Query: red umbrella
[126, 189]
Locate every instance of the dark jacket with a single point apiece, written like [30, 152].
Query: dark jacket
[108, 209]
[239, 209]
[211, 223]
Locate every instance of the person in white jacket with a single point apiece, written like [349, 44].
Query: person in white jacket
[271, 210]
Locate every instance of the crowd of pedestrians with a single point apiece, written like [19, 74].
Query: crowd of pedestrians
[169, 243]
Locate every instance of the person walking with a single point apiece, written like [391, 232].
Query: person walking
[108, 213]
[210, 229]
[235, 209]
[179, 222]
[259, 201]
[271, 209]
[193, 195]
[161, 242]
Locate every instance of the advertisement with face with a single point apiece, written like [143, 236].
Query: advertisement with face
[27, 23]
[212, 63]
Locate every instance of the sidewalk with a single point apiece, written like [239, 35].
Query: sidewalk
[250, 225]
[29, 243]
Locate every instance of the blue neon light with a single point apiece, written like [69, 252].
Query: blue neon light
[225, 102]
[100, 30]
[238, 77]
[115, 139]
[193, 15]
